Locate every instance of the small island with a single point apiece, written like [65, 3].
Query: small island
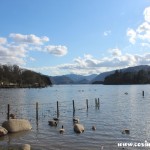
[16, 77]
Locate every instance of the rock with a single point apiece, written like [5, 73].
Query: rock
[126, 131]
[26, 147]
[16, 125]
[16, 147]
[3, 131]
[78, 128]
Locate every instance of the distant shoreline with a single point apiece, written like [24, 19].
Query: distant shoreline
[22, 86]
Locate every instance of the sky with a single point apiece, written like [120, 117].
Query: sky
[57, 37]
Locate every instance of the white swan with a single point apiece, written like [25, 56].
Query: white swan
[78, 128]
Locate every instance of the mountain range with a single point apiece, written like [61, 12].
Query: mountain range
[93, 78]
[72, 79]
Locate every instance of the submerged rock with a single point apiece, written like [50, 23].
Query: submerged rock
[78, 128]
[126, 131]
[26, 147]
[16, 125]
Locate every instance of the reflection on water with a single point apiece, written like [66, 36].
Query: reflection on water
[117, 111]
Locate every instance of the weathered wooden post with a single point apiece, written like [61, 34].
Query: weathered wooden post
[98, 102]
[73, 106]
[87, 104]
[95, 102]
[57, 110]
[143, 93]
[8, 111]
[37, 113]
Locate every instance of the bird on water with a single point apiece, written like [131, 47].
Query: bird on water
[62, 130]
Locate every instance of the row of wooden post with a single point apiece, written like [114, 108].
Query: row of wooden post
[97, 104]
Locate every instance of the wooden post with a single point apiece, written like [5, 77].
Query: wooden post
[57, 109]
[87, 103]
[143, 93]
[37, 115]
[8, 111]
[98, 102]
[95, 102]
[73, 106]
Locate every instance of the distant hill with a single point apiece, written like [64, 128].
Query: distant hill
[61, 80]
[102, 76]
[136, 68]
[93, 78]
[135, 77]
[83, 81]
[72, 79]
[77, 78]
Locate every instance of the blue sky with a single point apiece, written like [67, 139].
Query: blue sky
[58, 37]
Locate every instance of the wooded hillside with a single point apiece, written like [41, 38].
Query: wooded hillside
[13, 76]
[119, 77]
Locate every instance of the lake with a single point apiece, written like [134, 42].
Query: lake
[121, 107]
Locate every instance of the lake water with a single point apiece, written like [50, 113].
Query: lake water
[117, 111]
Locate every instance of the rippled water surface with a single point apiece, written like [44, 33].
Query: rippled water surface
[117, 111]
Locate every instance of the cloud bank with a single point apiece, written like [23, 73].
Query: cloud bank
[15, 48]
[89, 65]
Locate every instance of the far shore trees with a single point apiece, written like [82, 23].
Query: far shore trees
[13, 76]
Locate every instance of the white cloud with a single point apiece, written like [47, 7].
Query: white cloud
[3, 40]
[106, 33]
[115, 52]
[56, 50]
[145, 45]
[147, 14]
[88, 64]
[142, 33]
[32, 59]
[29, 39]
[132, 35]
[15, 48]
[12, 54]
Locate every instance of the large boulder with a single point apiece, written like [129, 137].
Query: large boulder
[16, 125]
[3, 131]
[25, 147]
[78, 128]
